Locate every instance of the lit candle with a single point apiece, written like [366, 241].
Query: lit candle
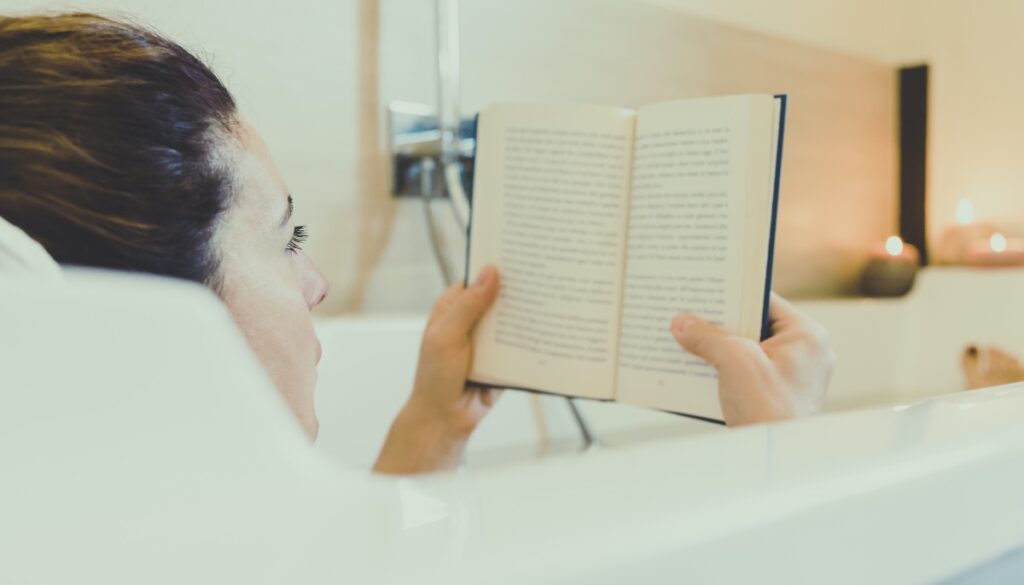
[891, 269]
[996, 251]
[998, 243]
[956, 241]
[964, 212]
[894, 246]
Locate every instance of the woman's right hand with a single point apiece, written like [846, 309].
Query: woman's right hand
[431, 431]
[782, 377]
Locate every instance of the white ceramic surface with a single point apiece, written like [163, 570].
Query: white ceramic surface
[140, 442]
[890, 352]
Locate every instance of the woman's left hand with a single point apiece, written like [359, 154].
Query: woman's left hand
[431, 431]
[784, 376]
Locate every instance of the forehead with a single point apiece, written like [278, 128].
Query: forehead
[261, 194]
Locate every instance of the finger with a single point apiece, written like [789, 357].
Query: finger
[783, 317]
[488, 396]
[444, 302]
[779, 309]
[704, 340]
[471, 303]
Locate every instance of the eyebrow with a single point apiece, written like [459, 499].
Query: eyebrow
[288, 212]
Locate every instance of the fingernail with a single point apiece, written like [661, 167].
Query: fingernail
[680, 322]
[484, 278]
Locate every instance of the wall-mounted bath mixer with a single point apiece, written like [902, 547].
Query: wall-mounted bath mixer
[414, 136]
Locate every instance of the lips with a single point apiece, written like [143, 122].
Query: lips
[319, 351]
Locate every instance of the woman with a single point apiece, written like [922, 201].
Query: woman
[120, 150]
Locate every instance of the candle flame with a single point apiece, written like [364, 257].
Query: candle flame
[964, 212]
[894, 246]
[998, 243]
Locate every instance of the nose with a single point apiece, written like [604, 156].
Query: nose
[315, 284]
[324, 287]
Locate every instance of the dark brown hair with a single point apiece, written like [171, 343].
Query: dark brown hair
[110, 145]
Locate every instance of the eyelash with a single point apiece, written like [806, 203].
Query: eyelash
[299, 236]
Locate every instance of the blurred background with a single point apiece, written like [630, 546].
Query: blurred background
[315, 77]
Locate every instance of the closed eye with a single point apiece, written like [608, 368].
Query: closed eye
[299, 235]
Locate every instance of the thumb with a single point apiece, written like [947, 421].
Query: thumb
[471, 303]
[697, 336]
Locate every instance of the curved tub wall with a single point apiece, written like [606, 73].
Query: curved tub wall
[889, 352]
[140, 442]
[910, 348]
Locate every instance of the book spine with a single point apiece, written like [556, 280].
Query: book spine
[766, 325]
[469, 224]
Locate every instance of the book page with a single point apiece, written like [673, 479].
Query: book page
[701, 181]
[549, 209]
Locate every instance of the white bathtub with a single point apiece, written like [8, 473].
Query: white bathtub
[889, 352]
[906, 349]
[140, 442]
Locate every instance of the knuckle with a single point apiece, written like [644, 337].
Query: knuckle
[734, 348]
[744, 345]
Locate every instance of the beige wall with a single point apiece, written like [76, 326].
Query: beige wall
[310, 108]
[974, 50]
[869, 28]
[839, 181]
[976, 124]
[313, 77]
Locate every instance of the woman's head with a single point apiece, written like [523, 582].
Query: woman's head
[119, 149]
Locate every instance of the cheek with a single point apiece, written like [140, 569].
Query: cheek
[276, 322]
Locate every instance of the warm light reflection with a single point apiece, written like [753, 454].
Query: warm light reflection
[964, 211]
[894, 246]
[998, 243]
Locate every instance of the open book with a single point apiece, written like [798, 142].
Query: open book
[605, 223]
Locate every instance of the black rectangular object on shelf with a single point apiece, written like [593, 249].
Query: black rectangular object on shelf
[913, 165]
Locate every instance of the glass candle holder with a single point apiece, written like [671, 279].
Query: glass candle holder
[891, 269]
